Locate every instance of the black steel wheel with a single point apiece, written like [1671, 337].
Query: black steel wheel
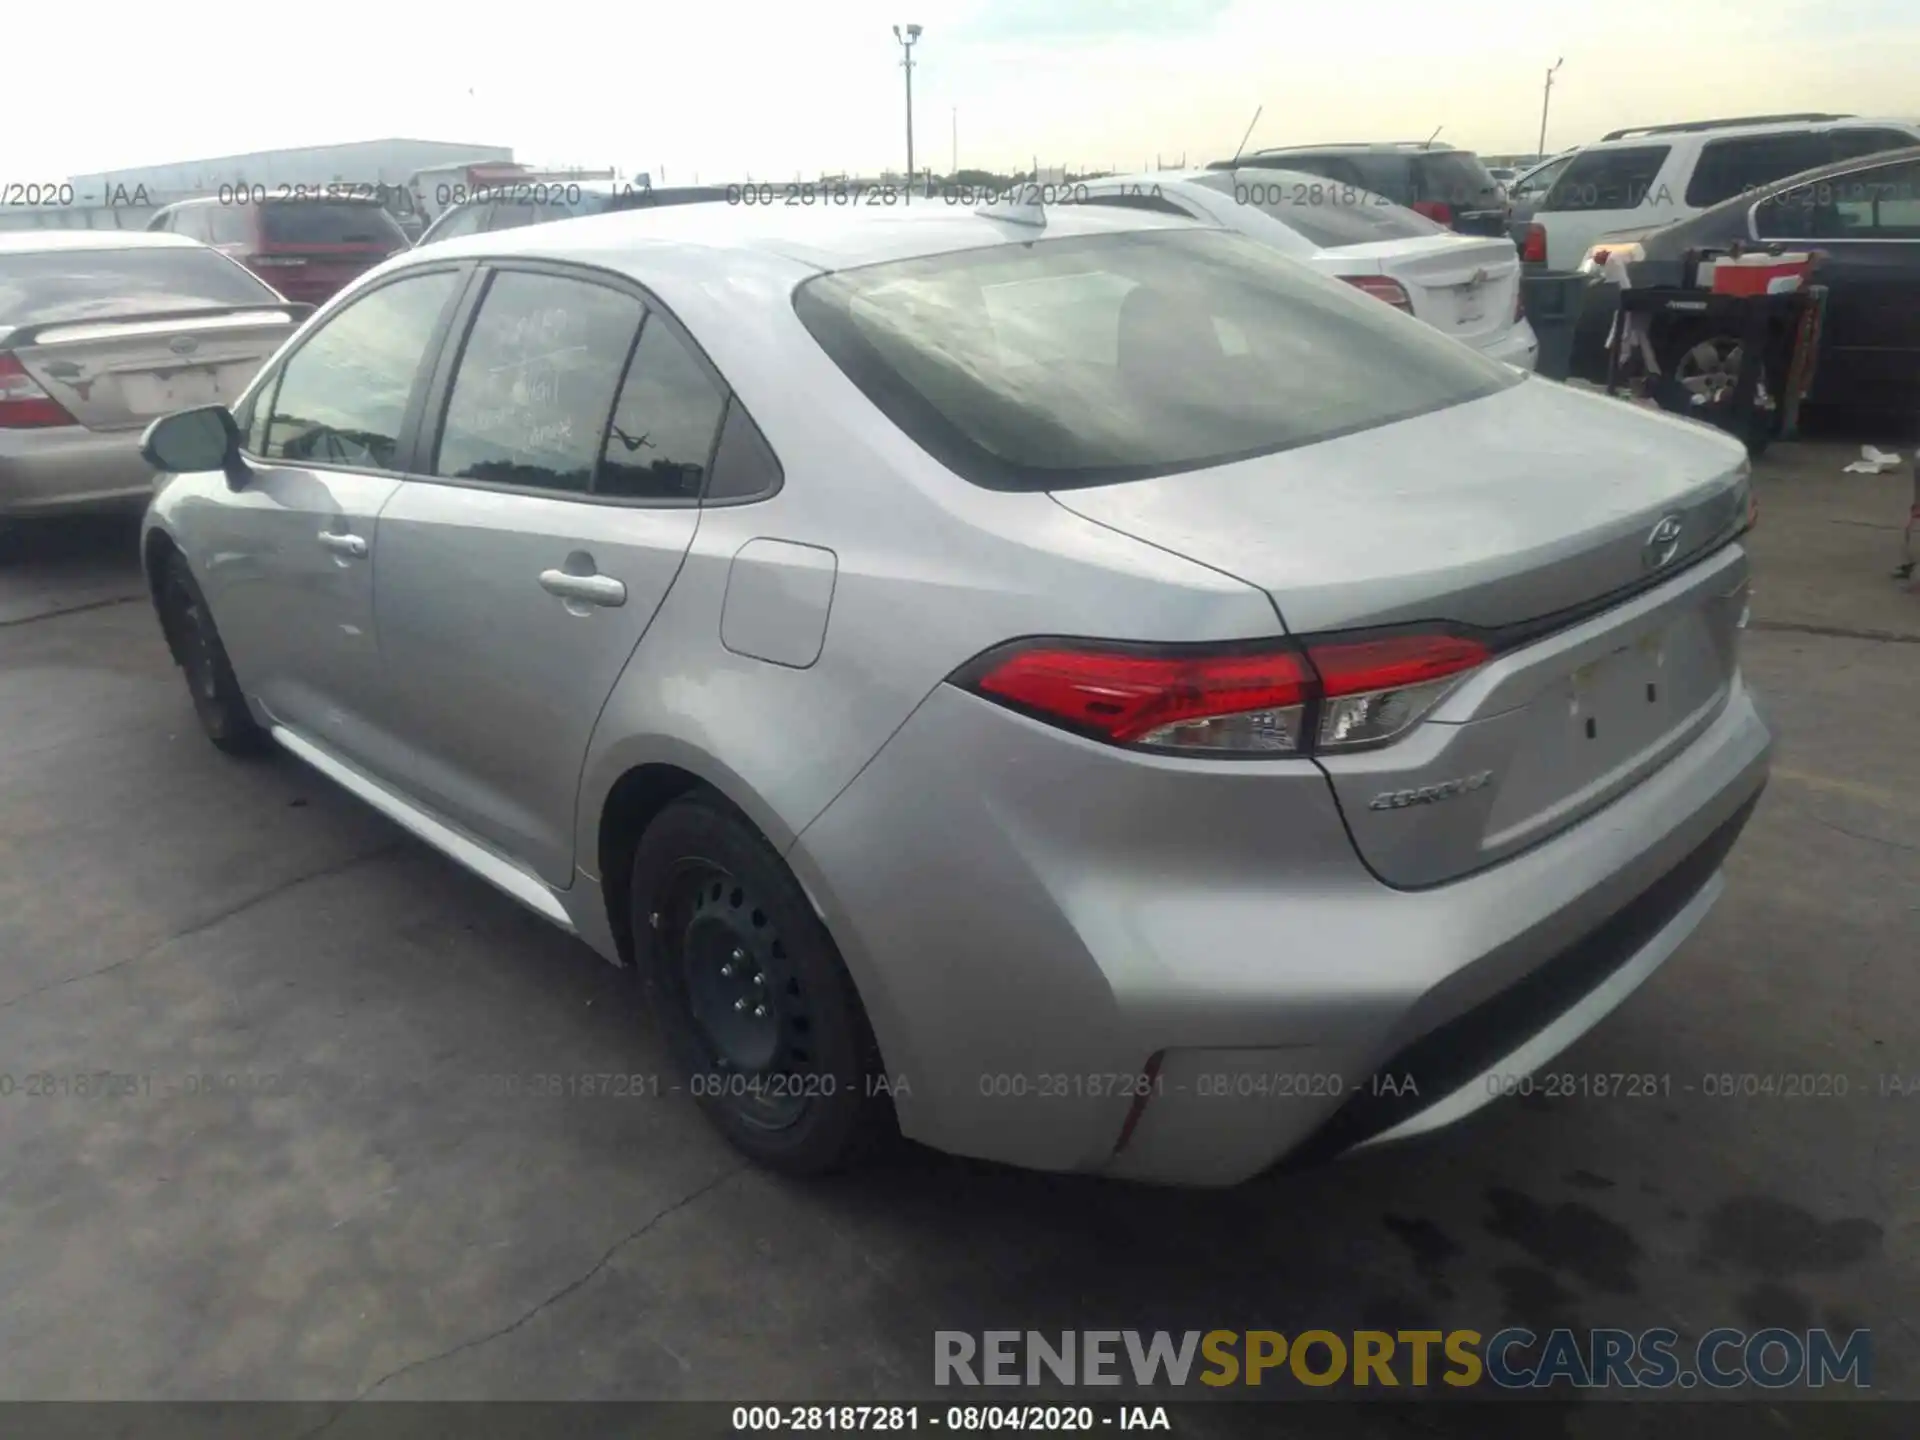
[762, 1018]
[195, 644]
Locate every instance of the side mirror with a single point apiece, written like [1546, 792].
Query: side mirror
[205, 438]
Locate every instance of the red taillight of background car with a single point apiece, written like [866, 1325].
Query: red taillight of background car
[1437, 211]
[1381, 288]
[1278, 699]
[24, 405]
[1533, 249]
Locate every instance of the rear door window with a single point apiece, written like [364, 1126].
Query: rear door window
[103, 284]
[1618, 179]
[1735, 166]
[1092, 360]
[329, 223]
[536, 382]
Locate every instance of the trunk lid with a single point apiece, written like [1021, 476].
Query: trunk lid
[1465, 288]
[1529, 502]
[122, 373]
[1538, 515]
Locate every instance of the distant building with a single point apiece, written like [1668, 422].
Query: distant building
[364, 162]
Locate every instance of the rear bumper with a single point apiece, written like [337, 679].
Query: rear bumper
[52, 471]
[1032, 918]
[1517, 346]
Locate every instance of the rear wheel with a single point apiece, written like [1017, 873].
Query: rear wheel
[1707, 365]
[195, 643]
[760, 1013]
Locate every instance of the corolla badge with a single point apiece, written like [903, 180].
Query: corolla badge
[1429, 794]
[1663, 543]
[183, 345]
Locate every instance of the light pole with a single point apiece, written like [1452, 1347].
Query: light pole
[1545, 96]
[907, 41]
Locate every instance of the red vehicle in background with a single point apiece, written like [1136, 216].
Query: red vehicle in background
[307, 249]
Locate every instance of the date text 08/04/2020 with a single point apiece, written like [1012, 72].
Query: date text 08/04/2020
[961, 1419]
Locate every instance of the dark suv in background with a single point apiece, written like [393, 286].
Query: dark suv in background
[306, 249]
[1444, 184]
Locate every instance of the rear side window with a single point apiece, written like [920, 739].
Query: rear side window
[97, 284]
[661, 441]
[1608, 179]
[743, 463]
[329, 222]
[1732, 167]
[1099, 359]
[1456, 179]
[536, 382]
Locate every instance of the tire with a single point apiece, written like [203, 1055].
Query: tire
[758, 1011]
[1701, 360]
[217, 699]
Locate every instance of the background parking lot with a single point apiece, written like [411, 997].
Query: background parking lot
[380, 1205]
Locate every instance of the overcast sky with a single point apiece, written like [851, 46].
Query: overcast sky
[726, 89]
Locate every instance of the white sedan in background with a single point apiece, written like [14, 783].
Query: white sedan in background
[1466, 286]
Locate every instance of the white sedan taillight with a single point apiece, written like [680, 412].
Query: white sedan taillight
[24, 404]
[1381, 288]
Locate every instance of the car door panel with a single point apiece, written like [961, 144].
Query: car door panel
[1871, 352]
[289, 576]
[502, 673]
[516, 580]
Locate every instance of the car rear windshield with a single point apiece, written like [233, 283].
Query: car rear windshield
[330, 222]
[1607, 179]
[1337, 215]
[1097, 359]
[1455, 178]
[49, 285]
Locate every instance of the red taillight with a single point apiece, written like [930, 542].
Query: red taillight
[1276, 700]
[1533, 250]
[1381, 288]
[1437, 211]
[1136, 696]
[23, 404]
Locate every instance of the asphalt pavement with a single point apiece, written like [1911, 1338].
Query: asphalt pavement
[319, 1174]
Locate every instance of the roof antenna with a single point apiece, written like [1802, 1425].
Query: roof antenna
[1248, 136]
[1431, 138]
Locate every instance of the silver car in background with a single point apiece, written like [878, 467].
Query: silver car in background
[1092, 694]
[101, 332]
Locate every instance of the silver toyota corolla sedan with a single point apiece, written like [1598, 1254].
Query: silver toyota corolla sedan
[1078, 686]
